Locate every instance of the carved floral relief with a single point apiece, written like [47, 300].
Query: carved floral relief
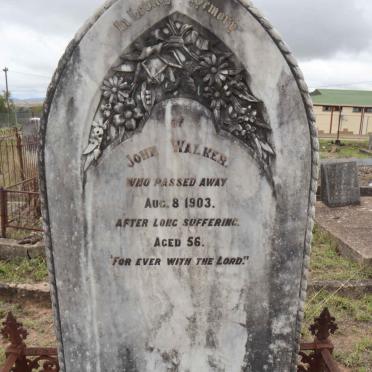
[179, 59]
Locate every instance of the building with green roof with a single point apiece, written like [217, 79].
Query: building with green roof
[347, 111]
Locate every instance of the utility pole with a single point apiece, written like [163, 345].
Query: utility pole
[7, 92]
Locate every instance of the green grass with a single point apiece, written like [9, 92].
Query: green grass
[353, 339]
[327, 264]
[349, 149]
[341, 307]
[353, 315]
[359, 358]
[19, 234]
[23, 270]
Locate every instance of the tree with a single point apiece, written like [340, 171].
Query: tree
[3, 107]
[3, 104]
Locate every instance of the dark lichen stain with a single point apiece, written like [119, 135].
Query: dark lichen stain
[70, 111]
[164, 318]
[172, 359]
[126, 360]
[150, 348]
[214, 365]
[210, 339]
[192, 328]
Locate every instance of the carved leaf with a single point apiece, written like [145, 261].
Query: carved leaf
[194, 38]
[267, 148]
[89, 161]
[151, 50]
[189, 83]
[171, 76]
[126, 67]
[247, 97]
[185, 28]
[147, 97]
[91, 147]
[258, 145]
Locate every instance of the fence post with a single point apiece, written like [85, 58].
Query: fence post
[20, 153]
[3, 211]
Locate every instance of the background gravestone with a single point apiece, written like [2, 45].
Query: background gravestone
[179, 166]
[340, 183]
[30, 128]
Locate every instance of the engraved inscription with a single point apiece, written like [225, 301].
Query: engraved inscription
[135, 14]
[215, 12]
[178, 58]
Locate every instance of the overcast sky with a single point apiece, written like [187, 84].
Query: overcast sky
[332, 39]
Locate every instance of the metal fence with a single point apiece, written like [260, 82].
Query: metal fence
[17, 118]
[20, 210]
[18, 157]
[19, 192]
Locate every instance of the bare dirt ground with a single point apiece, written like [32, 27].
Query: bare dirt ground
[353, 345]
[365, 176]
[38, 320]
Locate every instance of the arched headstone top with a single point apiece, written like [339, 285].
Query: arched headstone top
[203, 101]
[178, 58]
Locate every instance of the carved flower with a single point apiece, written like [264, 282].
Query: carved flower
[250, 115]
[219, 97]
[215, 70]
[127, 115]
[106, 110]
[98, 130]
[96, 137]
[93, 150]
[243, 122]
[116, 89]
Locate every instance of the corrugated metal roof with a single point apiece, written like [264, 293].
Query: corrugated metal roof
[340, 97]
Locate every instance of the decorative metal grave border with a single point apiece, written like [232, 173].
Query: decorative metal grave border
[315, 356]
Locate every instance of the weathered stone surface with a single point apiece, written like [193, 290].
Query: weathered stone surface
[370, 142]
[179, 175]
[340, 183]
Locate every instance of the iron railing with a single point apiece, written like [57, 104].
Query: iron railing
[18, 157]
[19, 192]
[315, 356]
[20, 209]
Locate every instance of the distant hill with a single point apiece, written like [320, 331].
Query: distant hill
[28, 102]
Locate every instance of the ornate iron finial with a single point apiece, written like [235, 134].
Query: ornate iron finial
[323, 326]
[13, 331]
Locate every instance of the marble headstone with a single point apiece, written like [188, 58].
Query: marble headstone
[340, 183]
[179, 162]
